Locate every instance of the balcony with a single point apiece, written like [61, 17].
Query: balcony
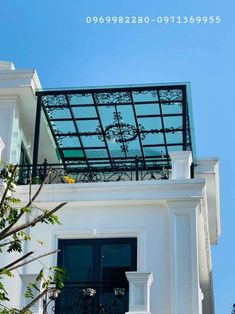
[111, 297]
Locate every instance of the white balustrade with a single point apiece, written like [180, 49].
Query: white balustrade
[139, 292]
[181, 164]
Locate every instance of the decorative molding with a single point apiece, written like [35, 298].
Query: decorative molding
[99, 234]
[115, 192]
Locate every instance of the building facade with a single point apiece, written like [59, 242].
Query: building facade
[142, 210]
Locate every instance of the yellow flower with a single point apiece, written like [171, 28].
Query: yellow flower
[69, 179]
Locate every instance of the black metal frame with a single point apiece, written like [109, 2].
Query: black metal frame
[116, 97]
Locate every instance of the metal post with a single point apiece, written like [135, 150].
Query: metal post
[45, 164]
[137, 168]
[36, 137]
[184, 117]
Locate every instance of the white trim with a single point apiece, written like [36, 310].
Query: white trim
[114, 192]
[96, 234]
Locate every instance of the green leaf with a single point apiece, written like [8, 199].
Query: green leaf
[40, 275]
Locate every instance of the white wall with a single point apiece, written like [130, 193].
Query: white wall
[157, 213]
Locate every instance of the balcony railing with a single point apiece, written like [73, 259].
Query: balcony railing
[107, 297]
[73, 173]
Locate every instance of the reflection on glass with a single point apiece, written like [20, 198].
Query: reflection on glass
[78, 262]
[116, 260]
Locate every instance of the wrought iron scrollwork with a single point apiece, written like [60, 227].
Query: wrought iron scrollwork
[169, 95]
[120, 132]
[100, 299]
[112, 98]
[54, 100]
[77, 173]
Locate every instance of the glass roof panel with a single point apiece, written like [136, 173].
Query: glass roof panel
[172, 108]
[147, 109]
[87, 125]
[69, 142]
[145, 96]
[106, 114]
[80, 99]
[174, 137]
[64, 126]
[84, 112]
[92, 141]
[73, 153]
[119, 122]
[153, 138]
[133, 148]
[155, 151]
[150, 124]
[173, 122]
[175, 148]
[96, 153]
[58, 113]
[115, 149]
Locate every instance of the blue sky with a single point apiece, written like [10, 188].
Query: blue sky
[52, 37]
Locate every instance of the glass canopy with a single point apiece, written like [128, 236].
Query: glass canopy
[109, 126]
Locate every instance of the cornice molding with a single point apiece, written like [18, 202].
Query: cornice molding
[125, 192]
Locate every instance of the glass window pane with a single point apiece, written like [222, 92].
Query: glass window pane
[77, 260]
[116, 259]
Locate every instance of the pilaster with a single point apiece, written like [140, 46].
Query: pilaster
[184, 261]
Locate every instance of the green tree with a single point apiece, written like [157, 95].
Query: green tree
[13, 233]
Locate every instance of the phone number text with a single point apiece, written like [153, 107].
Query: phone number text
[151, 20]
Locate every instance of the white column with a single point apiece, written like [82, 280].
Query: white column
[2, 146]
[181, 163]
[139, 292]
[9, 128]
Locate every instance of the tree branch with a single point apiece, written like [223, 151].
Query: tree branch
[33, 222]
[28, 205]
[7, 187]
[33, 259]
[16, 261]
[27, 307]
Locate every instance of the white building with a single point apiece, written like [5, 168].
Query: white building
[116, 144]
